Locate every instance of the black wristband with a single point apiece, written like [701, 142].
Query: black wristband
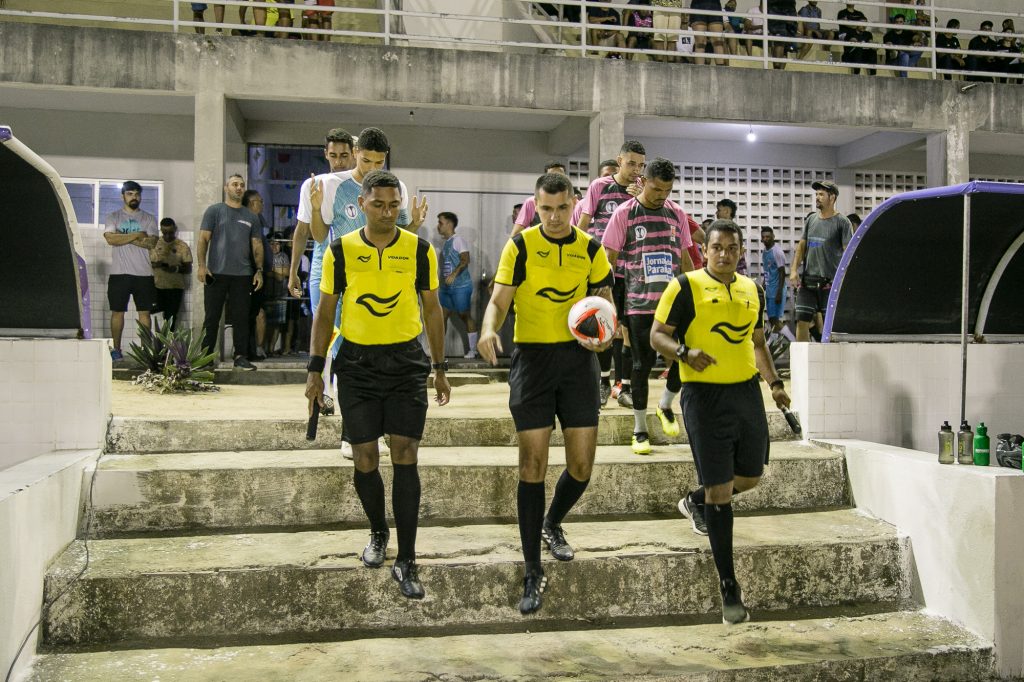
[316, 364]
[776, 384]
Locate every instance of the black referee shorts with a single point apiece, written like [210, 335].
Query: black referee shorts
[382, 389]
[549, 380]
[727, 428]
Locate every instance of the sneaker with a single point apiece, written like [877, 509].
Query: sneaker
[242, 362]
[327, 409]
[733, 610]
[471, 355]
[669, 425]
[616, 389]
[626, 398]
[376, 549]
[554, 538]
[692, 511]
[641, 444]
[533, 588]
[606, 392]
[346, 450]
[116, 355]
[408, 577]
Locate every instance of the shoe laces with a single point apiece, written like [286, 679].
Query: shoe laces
[534, 582]
[640, 437]
[556, 534]
[411, 571]
[378, 540]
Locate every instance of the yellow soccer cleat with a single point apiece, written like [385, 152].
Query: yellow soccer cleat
[641, 444]
[669, 424]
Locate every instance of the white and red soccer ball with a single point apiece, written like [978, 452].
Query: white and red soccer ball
[592, 319]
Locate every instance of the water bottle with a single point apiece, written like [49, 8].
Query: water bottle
[946, 444]
[965, 444]
[981, 446]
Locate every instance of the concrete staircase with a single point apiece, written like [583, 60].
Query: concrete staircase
[221, 561]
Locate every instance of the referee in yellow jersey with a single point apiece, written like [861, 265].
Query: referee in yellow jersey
[544, 270]
[712, 320]
[387, 277]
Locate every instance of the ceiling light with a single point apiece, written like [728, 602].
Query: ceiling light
[751, 137]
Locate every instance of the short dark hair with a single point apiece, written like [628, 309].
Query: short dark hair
[707, 221]
[729, 204]
[769, 230]
[517, 207]
[723, 225]
[986, 23]
[953, 23]
[553, 183]
[450, 217]
[553, 164]
[373, 140]
[633, 146]
[235, 175]
[339, 135]
[131, 186]
[854, 219]
[168, 222]
[609, 162]
[248, 195]
[661, 169]
[379, 178]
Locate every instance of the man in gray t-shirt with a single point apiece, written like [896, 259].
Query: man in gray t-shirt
[826, 234]
[230, 242]
[132, 232]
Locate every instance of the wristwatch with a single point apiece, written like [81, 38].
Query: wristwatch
[682, 351]
[443, 366]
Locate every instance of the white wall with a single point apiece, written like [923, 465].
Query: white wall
[964, 529]
[899, 394]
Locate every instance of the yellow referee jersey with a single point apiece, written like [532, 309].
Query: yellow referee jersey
[551, 275]
[379, 304]
[718, 318]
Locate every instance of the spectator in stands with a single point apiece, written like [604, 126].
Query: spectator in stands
[708, 22]
[684, 44]
[605, 37]
[981, 43]
[856, 35]
[1008, 28]
[638, 18]
[172, 262]
[456, 291]
[230, 235]
[898, 39]
[318, 19]
[733, 27]
[781, 30]
[275, 306]
[753, 25]
[199, 9]
[1011, 63]
[812, 29]
[909, 14]
[949, 41]
[132, 232]
[665, 22]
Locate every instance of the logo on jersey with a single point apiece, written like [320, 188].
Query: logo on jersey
[544, 254]
[351, 211]
[725, 329]
[641, 232]
[363, 259]
[610, 207]
[377, 306]
[556, 296]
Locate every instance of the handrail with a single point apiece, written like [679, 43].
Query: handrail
[390, 16]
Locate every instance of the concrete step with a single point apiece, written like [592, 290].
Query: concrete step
[170, 591]
[302, 488]
[154, 435]
[272, 376]
[903, 645]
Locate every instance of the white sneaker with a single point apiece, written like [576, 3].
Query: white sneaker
[346, 450]
[471, 355]
[383, 448]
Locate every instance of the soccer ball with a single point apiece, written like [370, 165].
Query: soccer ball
[592, 319]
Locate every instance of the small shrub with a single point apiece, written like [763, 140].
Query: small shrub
[174, 360]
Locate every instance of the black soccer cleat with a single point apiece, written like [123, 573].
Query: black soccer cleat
[554, 538]
[376, 549]
[694, 512]
[533, 587]
[733, 610]
[606, 391]
[406, 573]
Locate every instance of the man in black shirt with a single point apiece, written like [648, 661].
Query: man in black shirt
[899, 37]
[855, 34]
[982, 43]
[949, 41]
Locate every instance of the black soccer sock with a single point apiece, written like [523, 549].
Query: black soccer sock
[405, 500]
[604, 359]
[719, 521]
[568, 492]
[674, 382]
[627, 367]
[530, 501]
[617, 356]
[370, 488]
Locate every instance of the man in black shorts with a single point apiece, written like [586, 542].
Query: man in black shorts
[712, 320]
[826, 234]
[545, 270]
[387, 277]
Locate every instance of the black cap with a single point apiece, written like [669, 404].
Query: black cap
[827, 185]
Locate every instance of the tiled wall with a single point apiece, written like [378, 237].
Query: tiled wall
[899, 394]
[54, 395]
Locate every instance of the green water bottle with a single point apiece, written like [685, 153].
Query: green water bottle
[981, 446]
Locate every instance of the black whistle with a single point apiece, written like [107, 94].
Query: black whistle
[794, 422]
[311, 425]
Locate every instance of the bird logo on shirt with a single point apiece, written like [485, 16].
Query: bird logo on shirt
[556, 296]
[724, 329]
[377, 306]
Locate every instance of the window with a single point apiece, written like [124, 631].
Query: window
[94, 199]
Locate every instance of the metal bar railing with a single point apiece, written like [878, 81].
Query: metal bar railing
[774, 47]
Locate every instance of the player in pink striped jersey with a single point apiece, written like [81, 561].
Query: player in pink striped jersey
[650, 237]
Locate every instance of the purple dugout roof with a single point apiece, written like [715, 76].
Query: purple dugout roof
[902, 272]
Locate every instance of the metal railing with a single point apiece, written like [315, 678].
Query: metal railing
[537, 30]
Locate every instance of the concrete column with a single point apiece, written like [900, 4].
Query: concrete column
[948, 155]
[208, 179]
[607, 133]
